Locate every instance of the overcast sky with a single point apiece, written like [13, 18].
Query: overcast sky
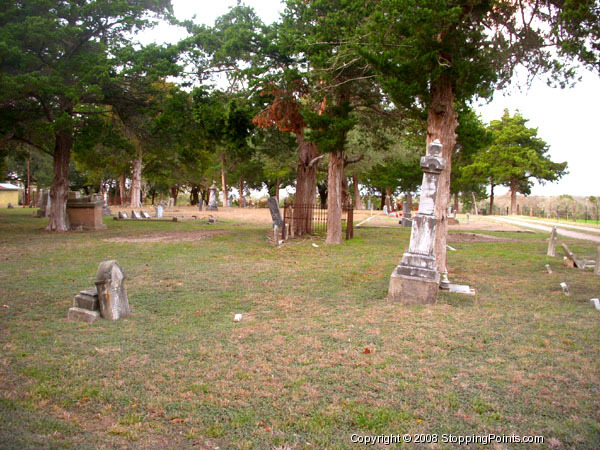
[566, 119]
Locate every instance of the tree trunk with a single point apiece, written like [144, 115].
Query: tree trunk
[513, 197]
[223, 181]
[345, 192]
[174, 194]
[136, 182]
[322, 188]
[334, 198]
[456, 202]
[59, 188]
[194, 199]
[277, 183]
[492, 198]
[358, 204]
[306, 183]
[122, 189]
[383, 198]
[242, 202]
[388, 199]
[441, 124]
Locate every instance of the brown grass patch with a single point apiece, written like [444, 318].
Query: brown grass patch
[172, 236]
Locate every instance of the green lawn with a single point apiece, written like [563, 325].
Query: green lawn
[519, 358]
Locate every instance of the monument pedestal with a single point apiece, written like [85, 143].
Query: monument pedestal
[412, 290]
[417, 279]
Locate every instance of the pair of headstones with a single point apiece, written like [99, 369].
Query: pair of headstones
[108, 300]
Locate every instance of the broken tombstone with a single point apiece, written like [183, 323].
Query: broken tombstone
[112, 295]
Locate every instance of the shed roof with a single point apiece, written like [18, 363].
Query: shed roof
[8, 187]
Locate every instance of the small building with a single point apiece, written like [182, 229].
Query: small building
[9, 193]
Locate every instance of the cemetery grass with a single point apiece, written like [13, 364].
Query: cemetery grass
[319, 355]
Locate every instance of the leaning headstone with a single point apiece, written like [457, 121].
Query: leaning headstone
[135, 214]
[123, 215]
[417, 279]
[552, 243]
[145, 215]
[572, 258]
[275, 212]
[565, 288]
[548, 268]
[112, 295]
[597, 268]
[595, 303]
[212, 198]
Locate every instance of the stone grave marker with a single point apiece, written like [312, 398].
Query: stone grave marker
[468, 217]
[171, 204]
[565, 288]
[275, 212]
[552, 243]
[212, 198]
[112, 295]
[135, 214]
[86, 307]
[417, 279]
[123, 215]
[548, 268]
[159, 211]
[145, 215]
[572, 258]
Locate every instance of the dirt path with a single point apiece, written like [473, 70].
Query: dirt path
[547, 228]
[559, 224]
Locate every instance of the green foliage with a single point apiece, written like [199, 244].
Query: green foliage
[517, 155]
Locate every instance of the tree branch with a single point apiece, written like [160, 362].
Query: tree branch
[314, 160]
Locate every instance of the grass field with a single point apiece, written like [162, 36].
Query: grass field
[319, 355]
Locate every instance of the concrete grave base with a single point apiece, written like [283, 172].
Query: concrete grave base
[412, 290]
[82, 315]
[462, 289]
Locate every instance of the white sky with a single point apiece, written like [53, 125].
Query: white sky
[565, 118]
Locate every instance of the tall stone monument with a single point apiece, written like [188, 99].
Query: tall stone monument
[416, 279]
[212, 198]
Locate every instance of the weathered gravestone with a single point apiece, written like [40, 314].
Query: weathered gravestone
[135, 214]
[552, 243]
[85, 307]
[572, 259]
[406, 211]
[171, 204]
[123, 215]
[212, 198]
[112, 295]
[275, 212]
[159, 211]
[85, 212]
[46, 201]
[145, 215]
[416, 279]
